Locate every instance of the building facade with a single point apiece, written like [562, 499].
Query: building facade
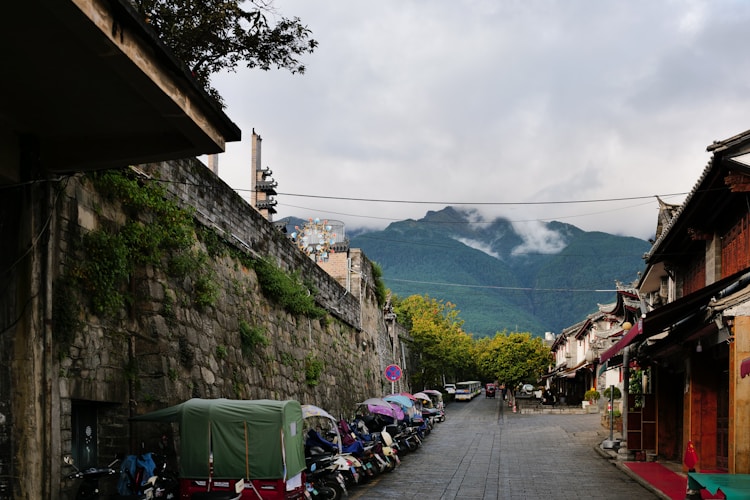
[688, 358]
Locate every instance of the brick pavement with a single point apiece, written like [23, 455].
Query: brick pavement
[484, 451]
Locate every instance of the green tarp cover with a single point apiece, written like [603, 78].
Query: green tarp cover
[256, 439]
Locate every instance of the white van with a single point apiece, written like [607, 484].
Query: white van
[450, 388]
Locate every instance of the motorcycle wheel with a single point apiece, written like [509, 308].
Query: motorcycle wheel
[338, 491]
[325, 492]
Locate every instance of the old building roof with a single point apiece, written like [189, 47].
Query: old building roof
[88, 85]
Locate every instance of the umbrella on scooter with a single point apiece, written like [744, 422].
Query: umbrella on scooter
[398, 410]
[437, 398]
[425, 400]
[402, 400]
[422, 396]
[381, 403]
[392, 411]
[309, 411]
[408, 395]
[405, 403]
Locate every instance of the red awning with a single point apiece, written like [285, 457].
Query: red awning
[623, 342]
[745, 367]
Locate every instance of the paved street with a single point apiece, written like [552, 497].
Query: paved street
[485, 451]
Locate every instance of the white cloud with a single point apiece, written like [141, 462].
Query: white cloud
[478, 245]
[537, 238]
[477, 101]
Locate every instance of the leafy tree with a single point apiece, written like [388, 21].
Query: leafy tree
[513, 358]
[210, 36]
[440, 346]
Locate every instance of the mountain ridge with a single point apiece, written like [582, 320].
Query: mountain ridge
[502, 276]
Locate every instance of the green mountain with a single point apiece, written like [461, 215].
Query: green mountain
[546, 278]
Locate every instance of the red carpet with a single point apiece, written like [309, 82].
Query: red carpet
[668, 482]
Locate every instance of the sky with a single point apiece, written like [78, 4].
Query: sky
[533, 110]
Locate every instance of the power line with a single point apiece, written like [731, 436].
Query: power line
[495, 287]
[541, 219]
[563, 202]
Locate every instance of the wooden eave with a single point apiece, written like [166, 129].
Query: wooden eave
[583, 330]
[721, 186]
[87, 85]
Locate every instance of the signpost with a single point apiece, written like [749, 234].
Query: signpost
[393, 373]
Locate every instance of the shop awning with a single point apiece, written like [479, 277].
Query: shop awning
[554, 372]
[571, 372]
[621, 344]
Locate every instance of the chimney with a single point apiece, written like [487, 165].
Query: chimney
[213, 163]
[255, 167]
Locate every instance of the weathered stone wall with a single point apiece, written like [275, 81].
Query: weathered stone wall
[162, 350]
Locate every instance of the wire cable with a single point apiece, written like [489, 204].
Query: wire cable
[511, 288]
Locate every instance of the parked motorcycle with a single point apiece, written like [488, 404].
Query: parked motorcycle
[323, 479]
[318, 447]
[437, 402]
[147, 476]
[88, 489]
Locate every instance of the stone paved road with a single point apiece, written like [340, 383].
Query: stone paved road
[485, 451]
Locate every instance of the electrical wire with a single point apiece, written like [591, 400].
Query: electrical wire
[464, 222]
[482, 203]
[511, 288]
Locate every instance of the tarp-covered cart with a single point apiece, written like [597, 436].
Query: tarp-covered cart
[224, 440]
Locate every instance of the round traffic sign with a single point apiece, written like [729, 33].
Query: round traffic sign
[393, 372]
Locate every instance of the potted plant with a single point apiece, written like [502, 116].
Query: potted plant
[616, 394]
[591, 396]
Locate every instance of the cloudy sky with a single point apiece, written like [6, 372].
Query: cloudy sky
[496, 105]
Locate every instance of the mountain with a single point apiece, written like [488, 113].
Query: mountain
[544, 278]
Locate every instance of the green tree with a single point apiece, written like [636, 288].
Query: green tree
[513, 358]
[440, 346]
[210, 36]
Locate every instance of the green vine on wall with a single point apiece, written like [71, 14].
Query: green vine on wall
[65, 308]
[159, 233]
[287, 290]
[381, 292]
[104, 270]
[251, 337]
[313, 370]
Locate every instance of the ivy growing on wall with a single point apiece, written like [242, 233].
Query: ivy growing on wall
[251, 337]
[103, 271]
[381, 292]
[313, 370]
[158, 233]
[287, 290]
[65, 321]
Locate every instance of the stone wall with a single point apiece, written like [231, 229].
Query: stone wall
[161, 349]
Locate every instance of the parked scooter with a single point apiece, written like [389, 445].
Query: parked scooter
[88, 489]
[142, 483]
[319, 448]
[147, 476]
[437, 402]
[323, 479]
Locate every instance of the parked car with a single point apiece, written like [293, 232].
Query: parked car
[489, 391]
[450, 388]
